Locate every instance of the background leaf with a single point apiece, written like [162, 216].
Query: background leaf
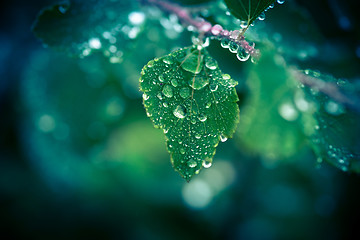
[186, 95]
[248, 10]
[332, 125]
[270, 123]
[79, 28]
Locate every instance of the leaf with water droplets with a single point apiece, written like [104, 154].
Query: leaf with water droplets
[332, 119]
[200, 108]
[81, 27]
[248, 10]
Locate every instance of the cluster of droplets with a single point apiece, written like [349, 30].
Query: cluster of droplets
[107, 40]
[235, 42]
[175, 105]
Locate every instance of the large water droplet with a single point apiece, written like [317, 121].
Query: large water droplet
[280, 1]
[145, 96]
[207, 163]
[161, 78]
[202, 117]
[168, 91]
[198, 82]
[223, 138]
[261, 17]
[211, 64]
[213, 87]
[233, 47]
[225, 43]
[168, 60]
[184, 92]
[192, 62]
[174, 82]
[242, 55]
[179, 112]
[192, 163]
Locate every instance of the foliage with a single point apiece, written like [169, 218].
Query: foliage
[186, 94]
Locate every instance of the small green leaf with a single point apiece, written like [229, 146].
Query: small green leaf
[248, 10]
[186, 95]
[80, 27]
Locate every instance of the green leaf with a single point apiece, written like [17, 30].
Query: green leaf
[80, 27]
[331, 119]
[248, 10]
[186, 95]
[270, 123]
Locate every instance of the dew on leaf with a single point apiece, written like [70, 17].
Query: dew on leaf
[208, 105]
[182, 151]
[192, 62]
[184, 92]
[165, 104]
[213, 87]
[192, 163]
[161, 78]
[197, 136]
[211, 64]
[202, 117]
[145, 96]
[179, 111]
[168, 91]
[198, 82]
[223, 138]
[174, 82]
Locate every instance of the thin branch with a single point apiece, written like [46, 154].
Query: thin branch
[204, 27]
[330, 89]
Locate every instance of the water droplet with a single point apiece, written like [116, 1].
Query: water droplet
[280, 1]
[211, 64]
[226, 76]
[193, 120]
[198, 82]
[234, 34]
[168, 60]
[161, 78]
[233, 47]
[242, 55]
[182, 151]
[184, 92]
[192, 163]
[174, 82]
[213, 87]
[150, 64]
[145, 96]
[334, 108]
[179, 112]
[225, 43]
[197, 136]
[262, 16]
[216, 29]
[207, 162]
[223, 138]
[160, 96]
[165, 104]
[208, 105]
[167, 91]
[192, 62]
[202, 117]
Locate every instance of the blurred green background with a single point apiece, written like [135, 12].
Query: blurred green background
[80, 159]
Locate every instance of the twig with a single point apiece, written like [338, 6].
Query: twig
[204, 27]
[328, 88]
